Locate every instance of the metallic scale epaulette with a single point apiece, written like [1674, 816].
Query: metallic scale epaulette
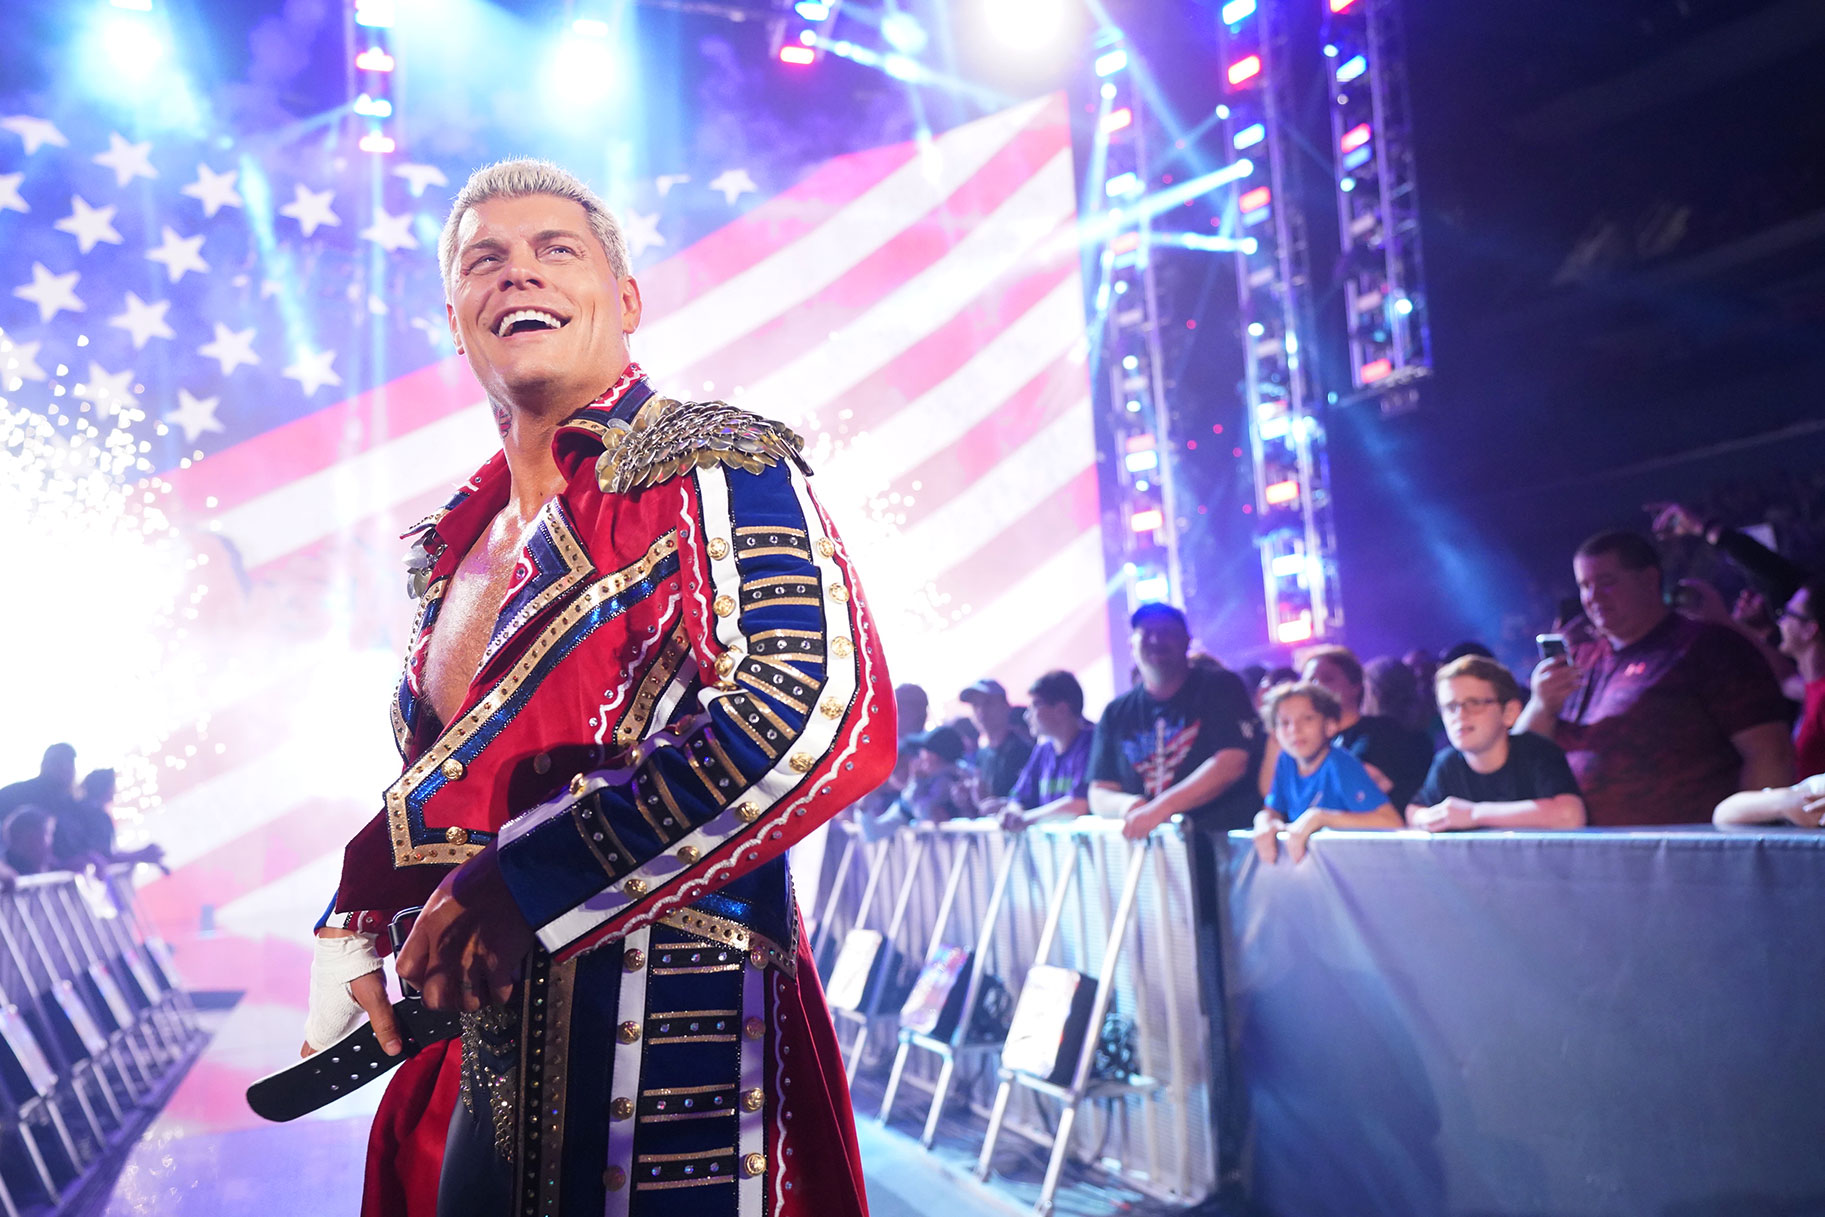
[683, 682]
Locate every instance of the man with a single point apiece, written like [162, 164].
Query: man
[1006, 744]
[1395, 756]
[85, 832]
[1803, 641]
[1662, 717]
[1179, 742]
[27, 835]
[53, 791]
[1488, 778]
[913, 707]
[641, 670]
[1055, 784]
[934, 790]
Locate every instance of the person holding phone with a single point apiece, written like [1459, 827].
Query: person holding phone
[1661, 717]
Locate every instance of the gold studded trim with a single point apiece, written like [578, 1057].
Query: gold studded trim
[747, 677]
[632, 727]
[405, 851]
[577, 567]
[722, 930]
[765, 530]
[554, 1068]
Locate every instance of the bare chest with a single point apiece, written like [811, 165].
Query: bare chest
[466, 620]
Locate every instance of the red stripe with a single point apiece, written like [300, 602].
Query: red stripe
[885, 270]
[1026, 544]
[253, 860]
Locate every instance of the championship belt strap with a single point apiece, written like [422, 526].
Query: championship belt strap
[348, 1064]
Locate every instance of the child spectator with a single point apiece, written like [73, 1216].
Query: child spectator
[1489, 778]
[937, 789]
[1319, 785]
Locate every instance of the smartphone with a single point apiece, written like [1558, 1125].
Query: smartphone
[1552, 646]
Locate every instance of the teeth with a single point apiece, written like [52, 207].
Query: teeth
[526, 314]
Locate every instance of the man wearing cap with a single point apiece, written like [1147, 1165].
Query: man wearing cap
[1004, 754]
[933, 792]
[1180, 742]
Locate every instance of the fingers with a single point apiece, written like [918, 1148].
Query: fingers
[370, 992]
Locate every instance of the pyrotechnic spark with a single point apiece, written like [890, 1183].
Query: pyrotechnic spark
[102, 594]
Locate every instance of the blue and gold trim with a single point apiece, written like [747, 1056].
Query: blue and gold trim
[552, 562]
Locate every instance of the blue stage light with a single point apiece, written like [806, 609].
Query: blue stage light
[1237, 10]
[904, 33]
[373, 107]
[133, 6]
[813, 10]
[901, 68]
[1112, 62]
[1153, 589]
[375, 14]
[1121, 185]
[584, 70]
[1351, 68]
[1250, 135]
[132, 48]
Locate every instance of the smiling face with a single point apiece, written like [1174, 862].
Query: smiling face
[1623, 603]
[535, 306]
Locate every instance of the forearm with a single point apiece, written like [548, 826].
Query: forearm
[1537, 718]
[1757, 807]
[1556, 811]
[1380, 817]
[1204, 783]
[1773, 576]
[1068, 807]
[1109, 800]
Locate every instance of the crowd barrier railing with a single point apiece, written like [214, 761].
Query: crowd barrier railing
[1059, 965]
[95, 1025]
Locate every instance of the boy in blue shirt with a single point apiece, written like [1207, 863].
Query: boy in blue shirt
[1317, 785]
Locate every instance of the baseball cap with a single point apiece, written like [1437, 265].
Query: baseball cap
[1156, 611]
[983, 688]
[941, 740]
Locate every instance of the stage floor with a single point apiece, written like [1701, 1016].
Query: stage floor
[206, 1155]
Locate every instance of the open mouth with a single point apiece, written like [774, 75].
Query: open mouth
[527, 321]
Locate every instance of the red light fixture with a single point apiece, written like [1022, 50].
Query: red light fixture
[1355, 137]
[1255, 199]
[1244, 69]
[1281, 493]
[1115, 120]
[1376, 370]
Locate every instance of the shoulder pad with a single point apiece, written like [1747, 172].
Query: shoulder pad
[668, 438]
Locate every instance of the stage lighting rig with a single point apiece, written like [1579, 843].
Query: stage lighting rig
[1377, 203]
[370, 33]
[1292, 507]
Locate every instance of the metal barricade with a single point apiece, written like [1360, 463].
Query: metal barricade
[94, 1028]
[1072, 893]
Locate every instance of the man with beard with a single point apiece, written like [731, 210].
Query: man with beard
[641, 670]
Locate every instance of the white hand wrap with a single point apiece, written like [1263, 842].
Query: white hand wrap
[333, 1011]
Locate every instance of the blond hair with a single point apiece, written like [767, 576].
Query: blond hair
[516, 180]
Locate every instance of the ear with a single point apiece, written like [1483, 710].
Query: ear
[630, 305]
[455, 334]
[1511, 714]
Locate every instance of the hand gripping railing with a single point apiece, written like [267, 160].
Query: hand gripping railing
[94, 1028]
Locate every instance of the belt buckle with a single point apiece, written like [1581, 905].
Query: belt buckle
[398, 930]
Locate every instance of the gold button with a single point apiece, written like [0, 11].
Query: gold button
[754, 1028]
[688, 854]
[726, 663]
[621, 1109]
[578, 785]
[832, 708]
[752, 1100]
[452, 770]
[724, 605]
[456, 836]
[747, 813]
[628, 1032]
[841, 647]
[802, 762]
[614, 1178]
[754, 1164]
[635, 888]
[541, 764]
[634, 959]
[719, 548]
[757, 959]
[826, 546]
[839, 593]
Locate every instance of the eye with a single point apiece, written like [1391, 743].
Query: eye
[478, 263]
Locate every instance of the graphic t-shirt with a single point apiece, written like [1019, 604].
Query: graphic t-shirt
[1536, 769]
[1144, 745]
[1340, 783]
[1050, 775]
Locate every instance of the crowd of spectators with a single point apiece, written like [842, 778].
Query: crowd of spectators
[53, 822]
[1655, 702]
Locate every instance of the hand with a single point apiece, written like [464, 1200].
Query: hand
[1447, 815]
[467, 945]
[1553, 681]
[1013, 818]
[1268, 824]
[1700, 601]
[328, 1019]
[1751, 612]
[1144, 817]
[1674, 520]
[1300, 832]
[1812, 804]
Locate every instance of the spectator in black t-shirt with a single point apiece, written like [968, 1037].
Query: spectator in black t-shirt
[1007, 745]
[1395, 756]
[85, 832]
[1489, 778]
[1180, 741]
[53, 791]
[27, 834]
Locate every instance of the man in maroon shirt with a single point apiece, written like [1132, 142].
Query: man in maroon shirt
[1661, 717]
[1803, 641]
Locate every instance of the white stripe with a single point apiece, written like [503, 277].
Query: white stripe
[436, 456]
[1052, 330]
[1000, 242]
[782, 281]
[624, 1073]
[751, 1126]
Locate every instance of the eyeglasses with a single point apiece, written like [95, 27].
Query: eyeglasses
[1454, 708]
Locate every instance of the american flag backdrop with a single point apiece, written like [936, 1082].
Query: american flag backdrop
[268, 337]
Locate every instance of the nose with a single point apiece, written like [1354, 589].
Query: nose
[519, 268]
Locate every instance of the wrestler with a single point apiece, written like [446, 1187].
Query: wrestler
[641, 669]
